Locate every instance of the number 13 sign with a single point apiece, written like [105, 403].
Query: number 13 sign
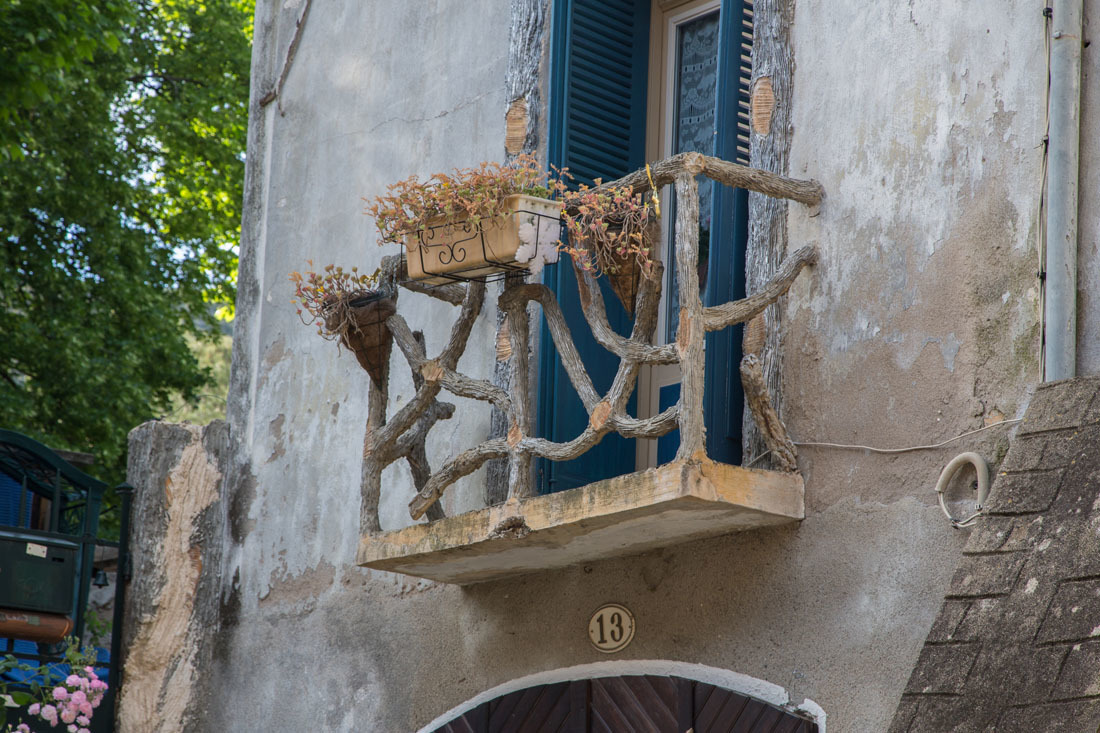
[611, 628]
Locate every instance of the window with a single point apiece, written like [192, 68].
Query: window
[637, 80]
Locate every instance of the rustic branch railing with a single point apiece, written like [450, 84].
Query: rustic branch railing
[403, 435]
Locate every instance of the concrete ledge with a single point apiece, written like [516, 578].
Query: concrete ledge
[677, 502]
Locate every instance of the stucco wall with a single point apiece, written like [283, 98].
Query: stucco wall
[918, 323]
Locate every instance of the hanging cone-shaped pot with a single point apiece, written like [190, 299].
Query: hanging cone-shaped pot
[366, 334]
[625, 281]
[623, 273]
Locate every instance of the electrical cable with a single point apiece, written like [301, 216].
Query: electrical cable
[846, 446]
[1040, 217]
[982, 470]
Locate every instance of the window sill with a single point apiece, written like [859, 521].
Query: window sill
[677, 502]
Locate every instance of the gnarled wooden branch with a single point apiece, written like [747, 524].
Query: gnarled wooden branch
[559, 332]
[404, 435]
[721, 316]
[649, 427]
[456, 344]
[666, 171]
[771, 427]
[519, 462]
[595, 313]
[689, 331]
[461, 465]
[431, 370]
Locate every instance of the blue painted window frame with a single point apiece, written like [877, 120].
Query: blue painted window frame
[723, 397]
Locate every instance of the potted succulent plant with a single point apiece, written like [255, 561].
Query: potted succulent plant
[347, 308]
[474, 222]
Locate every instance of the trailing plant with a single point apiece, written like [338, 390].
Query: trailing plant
[325, 299]
[607, 229]
[346, 308]
[471, 195]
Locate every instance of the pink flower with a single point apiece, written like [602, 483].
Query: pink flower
[90, 672]
[73, 680]
[60, 693]
[33, 709]
[23, 728]
[68, 715]
[49, 714]
[86, 707]
[83, 730]
[71, 728]
[79, 697]
[83, 720]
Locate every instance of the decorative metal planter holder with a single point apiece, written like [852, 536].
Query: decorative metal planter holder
[460, 252]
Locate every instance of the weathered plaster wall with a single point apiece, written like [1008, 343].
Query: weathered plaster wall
[921, 122]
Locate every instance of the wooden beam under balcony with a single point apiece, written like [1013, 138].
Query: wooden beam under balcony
[677, 502]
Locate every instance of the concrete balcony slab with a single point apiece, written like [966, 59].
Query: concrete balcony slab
[677, 502]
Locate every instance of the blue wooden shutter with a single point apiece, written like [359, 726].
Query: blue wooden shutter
[597, 130]
[723, 398]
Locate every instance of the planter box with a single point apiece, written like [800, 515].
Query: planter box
[445, 252]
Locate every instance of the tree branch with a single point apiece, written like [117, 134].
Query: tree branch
[461, 465]
[720, 316]
[664, 172]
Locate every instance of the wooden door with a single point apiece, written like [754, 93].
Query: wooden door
[629, 704]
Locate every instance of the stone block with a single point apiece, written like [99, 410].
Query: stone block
[1060, 405]
[987, 575]
[1063, 449]
[1064, 717]
[1025, 453]
[903, 716]
[1024, 493]
[1080, 675]
[1078, 491]
[943, 669]
[981, 621]
[951, 614]
[991, 533]
[1010, 669]
[944, 714]
[659, 507]
[1074, 613]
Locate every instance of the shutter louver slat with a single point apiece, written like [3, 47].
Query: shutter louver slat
[597, 129]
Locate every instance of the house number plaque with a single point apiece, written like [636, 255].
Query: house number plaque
[611, 628]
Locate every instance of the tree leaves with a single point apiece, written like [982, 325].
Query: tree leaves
[122, 138]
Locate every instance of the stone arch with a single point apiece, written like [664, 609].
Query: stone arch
[758, 690]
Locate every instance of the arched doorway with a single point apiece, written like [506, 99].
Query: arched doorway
[628, 703]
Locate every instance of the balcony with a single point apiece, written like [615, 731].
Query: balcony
[688, 498]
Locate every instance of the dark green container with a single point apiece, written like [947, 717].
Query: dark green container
[37, 574]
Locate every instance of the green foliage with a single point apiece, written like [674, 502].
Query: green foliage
[209, 404]
[122, 137]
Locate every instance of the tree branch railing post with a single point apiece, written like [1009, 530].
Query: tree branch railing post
[403, 435]
[689, 330]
